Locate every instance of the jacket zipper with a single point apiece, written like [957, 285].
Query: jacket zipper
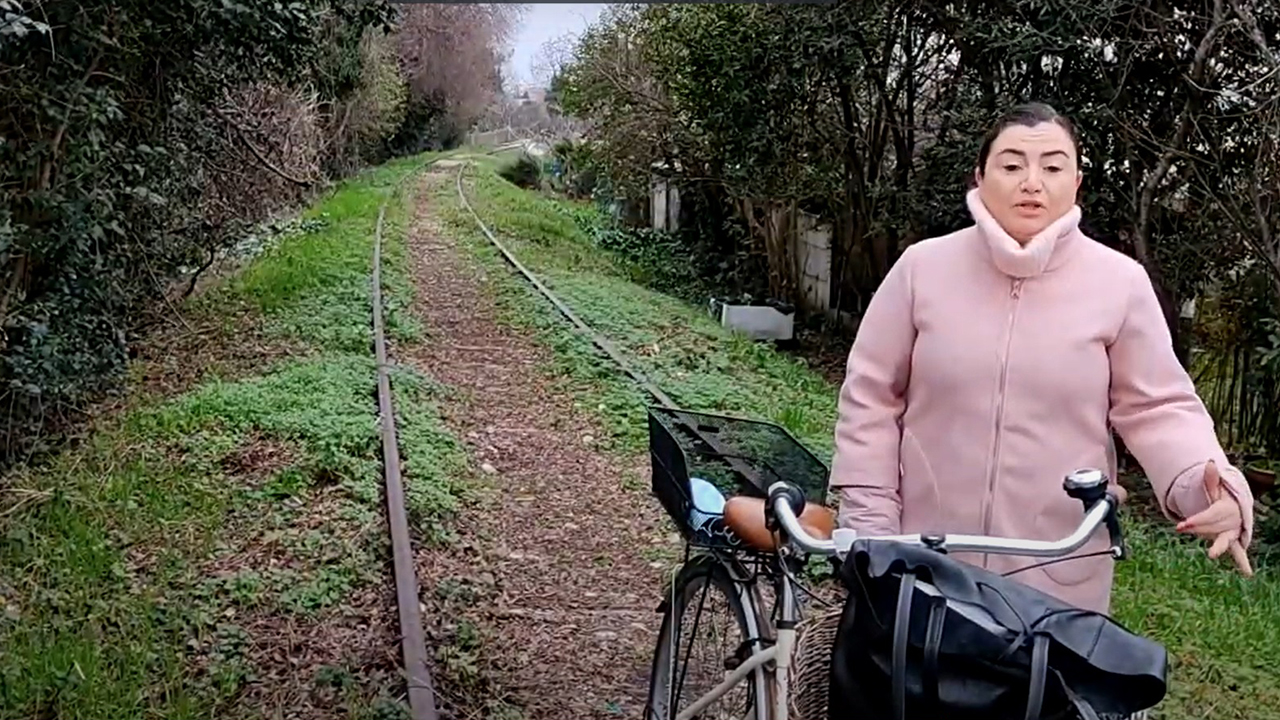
[1015, 292]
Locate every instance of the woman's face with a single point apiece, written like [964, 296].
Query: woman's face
[1030, 179]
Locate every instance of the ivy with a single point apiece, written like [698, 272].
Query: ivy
[110, 129]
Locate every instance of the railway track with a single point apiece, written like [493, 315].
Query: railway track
[421, 689]
[591, 333]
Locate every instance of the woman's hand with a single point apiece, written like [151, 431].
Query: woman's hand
[1221, 522]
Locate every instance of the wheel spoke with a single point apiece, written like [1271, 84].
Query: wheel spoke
[692, 656]
[685, 665]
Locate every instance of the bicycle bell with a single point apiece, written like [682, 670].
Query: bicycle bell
[1086, 484]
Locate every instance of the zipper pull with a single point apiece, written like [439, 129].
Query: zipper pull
[1016, 292]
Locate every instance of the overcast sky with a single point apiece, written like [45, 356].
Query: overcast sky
[543, 22]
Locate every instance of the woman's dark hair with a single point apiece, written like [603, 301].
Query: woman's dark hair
[1030, 115]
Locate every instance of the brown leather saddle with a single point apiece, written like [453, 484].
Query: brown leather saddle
[745, 517]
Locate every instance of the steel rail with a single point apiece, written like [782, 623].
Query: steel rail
[421, 690]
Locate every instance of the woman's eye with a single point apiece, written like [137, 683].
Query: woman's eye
[1012, 168]
[1053, 169]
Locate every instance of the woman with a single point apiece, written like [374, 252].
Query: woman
[993, 361]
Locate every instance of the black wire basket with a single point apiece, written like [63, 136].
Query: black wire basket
[736, 456]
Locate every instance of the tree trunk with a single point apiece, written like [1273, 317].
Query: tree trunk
[1142, 246]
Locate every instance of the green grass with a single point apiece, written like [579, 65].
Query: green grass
[1221, 629]
[128, 565]
[1223, 632]
[317, 290]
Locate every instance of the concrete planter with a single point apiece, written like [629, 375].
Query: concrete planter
[773, 321]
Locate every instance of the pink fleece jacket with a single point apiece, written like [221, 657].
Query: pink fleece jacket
[985, 371]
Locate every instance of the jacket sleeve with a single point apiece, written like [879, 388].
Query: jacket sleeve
[872, 399]
[1155, 408]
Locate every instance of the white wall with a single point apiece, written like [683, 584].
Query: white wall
[664, 210]
[813, 259]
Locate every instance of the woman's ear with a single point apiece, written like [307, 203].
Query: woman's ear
[977, 177]
[1079, 178]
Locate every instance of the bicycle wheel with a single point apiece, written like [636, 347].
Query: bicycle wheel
[710, 625]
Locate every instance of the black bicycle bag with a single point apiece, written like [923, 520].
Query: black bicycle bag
[923, 636]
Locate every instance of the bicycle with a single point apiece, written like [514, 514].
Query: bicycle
[771, 538]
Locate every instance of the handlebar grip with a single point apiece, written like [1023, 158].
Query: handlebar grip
[1114, 529]
[793, 495]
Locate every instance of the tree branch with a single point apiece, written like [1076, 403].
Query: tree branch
[1142, 231]
[244, 139]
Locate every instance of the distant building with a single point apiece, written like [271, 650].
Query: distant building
[532, 93]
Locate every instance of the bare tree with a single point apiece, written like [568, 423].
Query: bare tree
[452, 53]
[554, 55]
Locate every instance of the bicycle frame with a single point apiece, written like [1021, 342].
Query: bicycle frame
[779, 654]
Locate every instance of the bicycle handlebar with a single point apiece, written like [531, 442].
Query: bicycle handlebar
[1087, 485]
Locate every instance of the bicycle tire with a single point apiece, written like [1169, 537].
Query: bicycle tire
[709, 573]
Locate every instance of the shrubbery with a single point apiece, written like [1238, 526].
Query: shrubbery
[524, 172]
[140, 140]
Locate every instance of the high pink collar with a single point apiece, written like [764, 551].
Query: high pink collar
[1013, 258]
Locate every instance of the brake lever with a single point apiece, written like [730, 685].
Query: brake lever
[1118, 548]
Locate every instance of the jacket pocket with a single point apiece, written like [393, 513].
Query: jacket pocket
[1059, 517]
[917, 484]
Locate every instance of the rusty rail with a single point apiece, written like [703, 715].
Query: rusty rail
[608, 348]
[591, 333]
[421, 690]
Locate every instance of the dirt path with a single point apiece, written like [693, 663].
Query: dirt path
[553, 573]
